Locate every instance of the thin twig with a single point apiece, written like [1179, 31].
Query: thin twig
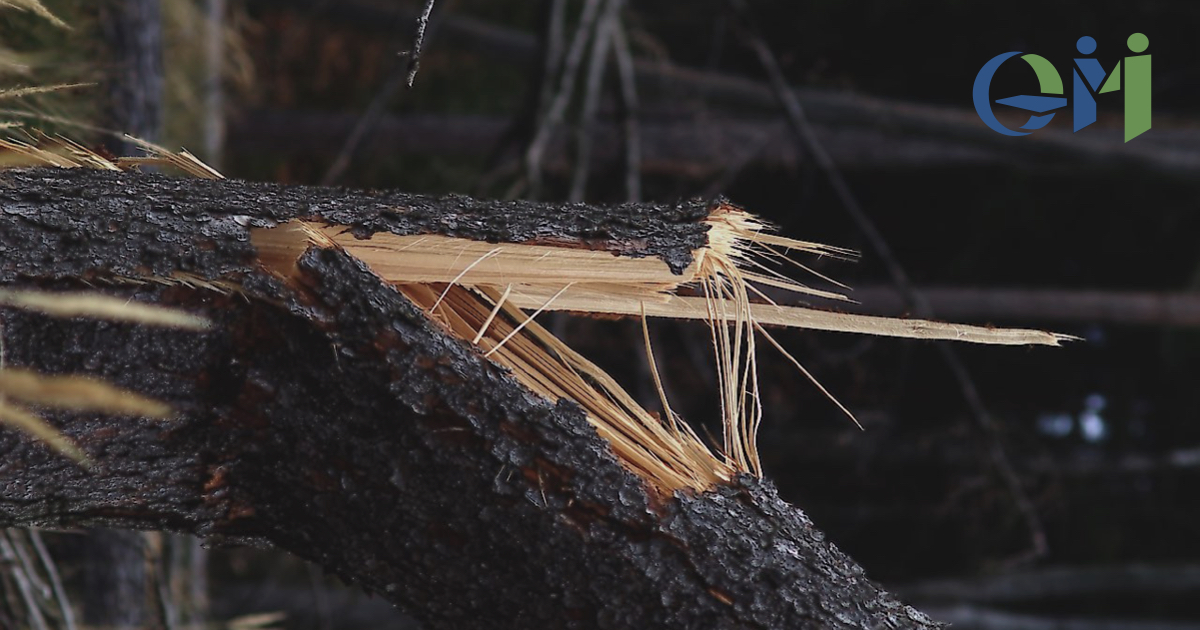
[920, 306]
[374, 112]
[51, 568]
[601, 43]
[365, 123]
[983, 618]
[414, 57]
[1058, 583]
[629, 113]
[8, 553]
[507, 152]
[196, 580]
[553, 59]
[27, 565]
[558, 106]
[159, 569]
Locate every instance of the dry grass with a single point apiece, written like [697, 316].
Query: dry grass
[38, 149]
[101, 307]
[76, 393]
[35, 7]
[39, 89]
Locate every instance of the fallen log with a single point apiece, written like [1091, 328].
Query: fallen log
[326, 414]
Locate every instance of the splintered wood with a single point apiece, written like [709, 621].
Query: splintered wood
[488, 294]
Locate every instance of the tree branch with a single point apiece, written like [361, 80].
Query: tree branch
[329, 417]
[1061, 582]
[806, 136]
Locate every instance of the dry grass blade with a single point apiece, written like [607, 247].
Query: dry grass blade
[101, 307]
[77, 393]
[59, 152]
[43, 150]
[36, 7]
[39, 89]
[160, 156]
[31, 155]
[23, 420]
[257, 621]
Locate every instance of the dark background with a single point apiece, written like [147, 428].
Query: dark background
[933, 498]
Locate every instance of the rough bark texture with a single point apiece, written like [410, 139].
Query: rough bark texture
[120, 592]
[330, 418]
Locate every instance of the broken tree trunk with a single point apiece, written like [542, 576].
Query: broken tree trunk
[327, 415]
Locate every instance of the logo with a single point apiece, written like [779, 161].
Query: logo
[1089, 80]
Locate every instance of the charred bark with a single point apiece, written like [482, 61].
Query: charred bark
[330, 418]
[121, 592]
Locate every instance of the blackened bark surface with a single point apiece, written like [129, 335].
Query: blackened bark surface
[78, 200]
[331, 419]
[121, 593]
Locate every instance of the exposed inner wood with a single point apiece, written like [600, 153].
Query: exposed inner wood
[665, 451]
[472, 306]
[489, 293]
[427, 258]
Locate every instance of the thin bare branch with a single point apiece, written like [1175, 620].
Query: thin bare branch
[629, 113]
[807, 137]
[25, 588]
[51, 569]
[401, 75]
[37, 8]
[976, 618]
[414, 56]
[1057, 583]
[536, 151]
[601, 43]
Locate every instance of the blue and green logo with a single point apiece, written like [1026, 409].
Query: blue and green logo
[1089, 81]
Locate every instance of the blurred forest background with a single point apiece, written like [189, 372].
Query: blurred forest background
[993, 487]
